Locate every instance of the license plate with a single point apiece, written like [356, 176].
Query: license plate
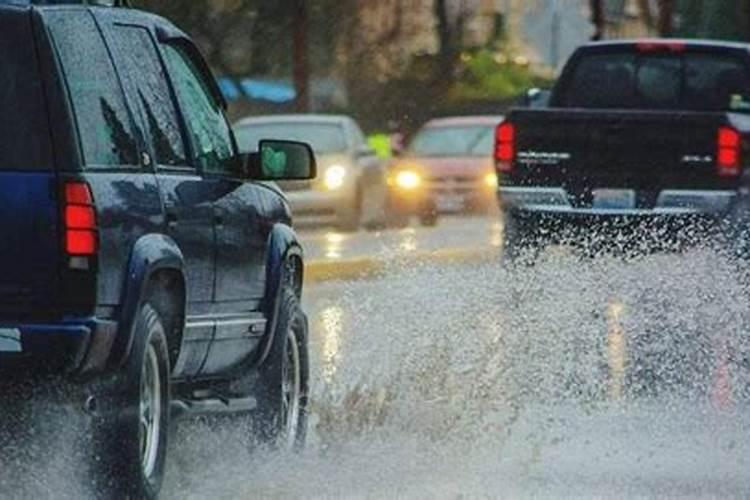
[10, 340]
[450, 203]
[614, 199]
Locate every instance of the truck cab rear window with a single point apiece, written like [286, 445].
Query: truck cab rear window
[691, 81]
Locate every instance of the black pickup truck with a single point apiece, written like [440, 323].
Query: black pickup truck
[646, 133]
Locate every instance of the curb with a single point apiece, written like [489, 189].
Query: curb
[324, 270]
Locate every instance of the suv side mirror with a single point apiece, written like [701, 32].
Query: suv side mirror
[281, 161]
[536, 98]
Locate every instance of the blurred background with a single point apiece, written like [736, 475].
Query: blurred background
[391, 63]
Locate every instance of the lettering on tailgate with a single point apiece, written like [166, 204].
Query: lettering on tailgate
[542, 157]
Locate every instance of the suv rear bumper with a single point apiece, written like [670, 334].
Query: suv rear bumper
[669, 202]
[75, 347]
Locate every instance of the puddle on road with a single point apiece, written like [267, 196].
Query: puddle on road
[570, 378]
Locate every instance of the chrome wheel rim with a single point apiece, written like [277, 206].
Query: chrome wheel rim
[291, 390]
[150, 411]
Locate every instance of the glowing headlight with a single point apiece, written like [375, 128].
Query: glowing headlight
[406, 179]
[490, 180]
[334, 177]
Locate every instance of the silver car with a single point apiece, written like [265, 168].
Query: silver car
[350, 190]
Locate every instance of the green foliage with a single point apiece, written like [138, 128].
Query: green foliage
[490, 76]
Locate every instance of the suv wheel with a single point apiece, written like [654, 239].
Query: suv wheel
[132, 438]
[284, 379]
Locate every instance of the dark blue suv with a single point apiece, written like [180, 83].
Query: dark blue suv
[143, 258]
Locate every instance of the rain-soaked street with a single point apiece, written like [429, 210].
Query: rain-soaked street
[439, 378]
[459, 377]
[439, 249]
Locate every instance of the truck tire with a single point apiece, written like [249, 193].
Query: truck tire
[131, 438]
[428, 216]
[396, 218]
[373, 208]
[281, 419]
[350, 219]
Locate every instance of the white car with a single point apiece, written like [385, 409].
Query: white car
[350, 190]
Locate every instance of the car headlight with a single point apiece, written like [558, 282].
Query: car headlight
[408, 179]
[334, 177]
[490, 180]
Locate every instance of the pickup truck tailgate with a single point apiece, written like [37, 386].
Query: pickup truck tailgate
[646, 151]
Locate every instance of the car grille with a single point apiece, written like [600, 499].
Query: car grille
[458, 184]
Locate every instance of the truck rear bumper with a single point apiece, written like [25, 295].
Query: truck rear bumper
[74, 347]
[669, 202]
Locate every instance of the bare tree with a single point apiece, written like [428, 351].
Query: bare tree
[644, 6]
[450, 30]
[665, 25]
[446, 51]
[597, 19]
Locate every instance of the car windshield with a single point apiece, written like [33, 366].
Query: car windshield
[323, 137]
[453, 141]
[690, 81]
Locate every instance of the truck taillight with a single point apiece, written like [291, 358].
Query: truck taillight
[728, 152]
[81, 238]
[505, 147]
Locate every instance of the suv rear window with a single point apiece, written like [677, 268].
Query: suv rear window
[104, 124]
[24, 129]
[691, 81]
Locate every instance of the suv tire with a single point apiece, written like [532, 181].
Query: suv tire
[281, 420]
[132, 439]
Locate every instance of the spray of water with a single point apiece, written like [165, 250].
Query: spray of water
[575, 376]
[572, 377]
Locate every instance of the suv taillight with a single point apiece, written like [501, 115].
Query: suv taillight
[728, 152]
[81, 238]
[505, 147]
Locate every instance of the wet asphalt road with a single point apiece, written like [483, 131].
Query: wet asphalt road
[461, 377]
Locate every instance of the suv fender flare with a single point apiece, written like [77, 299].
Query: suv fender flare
[151, 253]
[282, 244]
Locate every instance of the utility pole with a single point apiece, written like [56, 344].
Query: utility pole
[300, 56]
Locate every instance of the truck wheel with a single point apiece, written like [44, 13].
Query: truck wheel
[132, 437]
[396, 218]
[350, 220]
[428, 217]
[373, 208]
[281, 420]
